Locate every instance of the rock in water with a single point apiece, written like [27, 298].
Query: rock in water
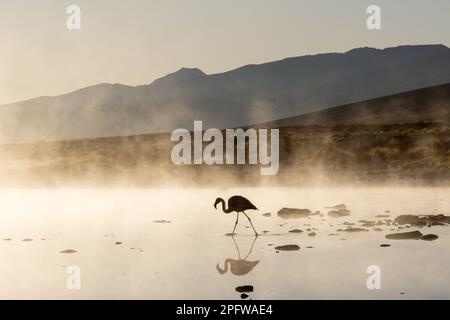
[338, 207]
[68, 251]
[339, 213]
[292, 213]
[288, 247]
[413, 235]
[354, 229]
[369, 224]
[243, 289]
[162, 221]
[422, 220]
[430, 237]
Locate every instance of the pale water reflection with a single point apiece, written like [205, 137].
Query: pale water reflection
[239, 266]
[122, 253]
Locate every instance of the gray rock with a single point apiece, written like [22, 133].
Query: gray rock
[292, 213]
[68, 251]
[288, 247]
[339, 213]
[430, 237]
[412, 235]
[243, 289]
[354, 229]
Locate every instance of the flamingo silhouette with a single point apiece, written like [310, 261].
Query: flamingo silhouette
[241, 266]
[237, 204]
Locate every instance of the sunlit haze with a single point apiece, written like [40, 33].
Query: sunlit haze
[134, 42]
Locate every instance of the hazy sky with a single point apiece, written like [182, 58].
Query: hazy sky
[136, 41]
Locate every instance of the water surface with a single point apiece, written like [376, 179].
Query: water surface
[124, 254]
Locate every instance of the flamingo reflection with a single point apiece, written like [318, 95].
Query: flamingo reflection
[241, 266]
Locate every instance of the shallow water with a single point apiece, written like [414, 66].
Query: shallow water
[186, 258]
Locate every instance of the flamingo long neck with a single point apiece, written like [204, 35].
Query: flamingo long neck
[226, 265]
[224, 208]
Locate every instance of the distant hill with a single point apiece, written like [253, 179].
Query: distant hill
[354, 154]
[423, 105]
[399, 138]
[250, 94]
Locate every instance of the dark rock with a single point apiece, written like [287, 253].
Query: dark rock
[422, 220]
[412, 235]
[338, 207]
[438, 224]
[288, 247]
[68, 251]
[292, 213]
[339, 213]
[369, 224]
[385, 245]
[354, 229]
[430, 237]
[244, 296]
[312, 234]
[243, 289]
[162, 221]
[267, 214]
[295, 231]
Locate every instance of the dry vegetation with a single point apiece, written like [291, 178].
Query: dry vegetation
[418, 153]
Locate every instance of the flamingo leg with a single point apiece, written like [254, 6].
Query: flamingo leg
[235, 224]
[256, 233]
[251, 248]
[236, 246]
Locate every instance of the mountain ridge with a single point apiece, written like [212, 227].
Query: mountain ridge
[249, 94]
[425, 105]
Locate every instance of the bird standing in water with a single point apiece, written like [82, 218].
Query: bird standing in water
[237, 204]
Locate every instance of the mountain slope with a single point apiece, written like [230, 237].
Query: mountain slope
[250, 94]
[388, 139]
[423, 105]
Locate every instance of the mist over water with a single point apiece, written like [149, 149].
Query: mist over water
[169, 260]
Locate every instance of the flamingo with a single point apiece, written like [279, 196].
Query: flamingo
[237, 204]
